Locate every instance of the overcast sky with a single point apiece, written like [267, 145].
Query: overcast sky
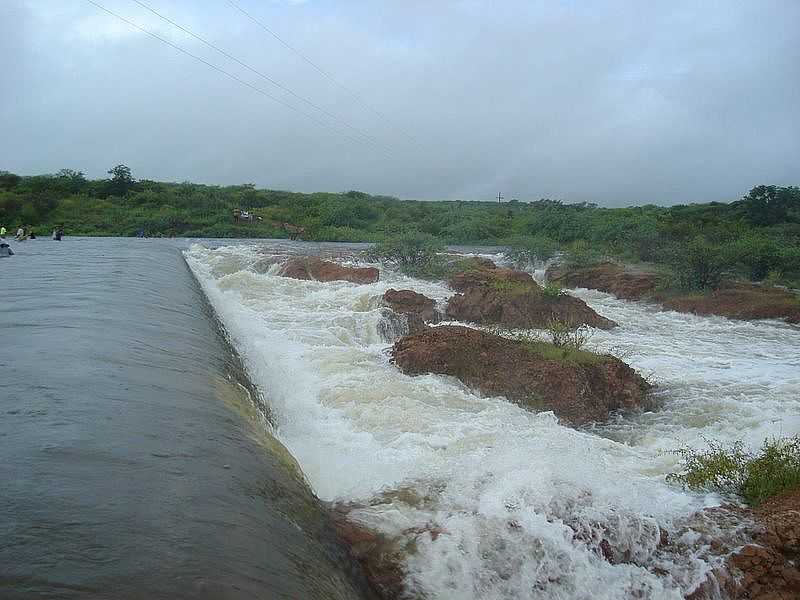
[609, 102]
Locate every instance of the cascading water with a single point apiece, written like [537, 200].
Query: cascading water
[502, 502]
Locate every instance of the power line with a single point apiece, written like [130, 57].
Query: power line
[257, 72]
[318, 68]
[223, 71]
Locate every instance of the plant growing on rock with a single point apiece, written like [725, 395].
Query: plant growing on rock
[413, 253]
[565, 343]
[753, 475]
[564, 334]
[552, 290]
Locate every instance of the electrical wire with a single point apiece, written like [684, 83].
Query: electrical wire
[320, 70]
[259, 73]
[224, 72]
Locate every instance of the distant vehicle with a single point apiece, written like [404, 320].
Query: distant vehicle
[244, 215]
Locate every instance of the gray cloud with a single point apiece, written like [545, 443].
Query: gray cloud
[614, 102]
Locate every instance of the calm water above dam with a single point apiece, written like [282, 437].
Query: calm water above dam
[133, 463]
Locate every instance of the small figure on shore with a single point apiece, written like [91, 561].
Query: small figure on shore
[20, 234]
[58, 233]
[3, 232]
[31, 235]
[5, 250]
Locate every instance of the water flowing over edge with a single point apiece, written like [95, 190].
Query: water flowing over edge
[491, 500]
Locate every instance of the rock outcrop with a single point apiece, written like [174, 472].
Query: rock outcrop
[768, 568]
[513, 299]
[314, 268]
[379, 557]
[739, 300]
[417, 309]
[734, 300]
[606, 277]
[765, 568]
[483, 275]
[579, 387]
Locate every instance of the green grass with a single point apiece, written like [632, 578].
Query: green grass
[513, 288]
[549, 351]
[754, 476]
[552, 290]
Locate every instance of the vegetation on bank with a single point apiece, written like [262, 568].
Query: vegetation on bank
[757, 237]
[755, 476]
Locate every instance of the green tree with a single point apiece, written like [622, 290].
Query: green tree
[8, 180]
[121, 180]
[71, 181]
[758, 253]
[413, 252]
[770, 204]
[699, 264]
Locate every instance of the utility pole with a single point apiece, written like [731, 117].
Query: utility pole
[499, 197]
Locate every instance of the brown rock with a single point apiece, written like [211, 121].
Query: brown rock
[314, 268]
[418, 309]
[513, 299]
[482, 275]
[381, 558]
[765, 568]
[580, 387]
[781, 519]
[607, 277]
[765, 574]
[739, 300]
[479, 262]
[734, 300]
[522, 306]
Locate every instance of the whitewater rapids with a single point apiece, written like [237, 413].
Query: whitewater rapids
[522, 502]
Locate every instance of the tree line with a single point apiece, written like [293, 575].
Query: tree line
[756, 236]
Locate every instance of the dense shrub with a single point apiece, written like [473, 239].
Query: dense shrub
[413, 252]
[699, 264]
[758, 254]
[755, 476]
[581, 253]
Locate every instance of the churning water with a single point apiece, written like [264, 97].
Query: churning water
[499, 501]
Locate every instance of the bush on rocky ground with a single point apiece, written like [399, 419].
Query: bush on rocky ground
[413, 253]
[754, 476]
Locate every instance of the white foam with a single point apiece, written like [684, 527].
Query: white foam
[520, 499]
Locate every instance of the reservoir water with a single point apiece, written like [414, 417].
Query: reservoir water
[134, 461]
